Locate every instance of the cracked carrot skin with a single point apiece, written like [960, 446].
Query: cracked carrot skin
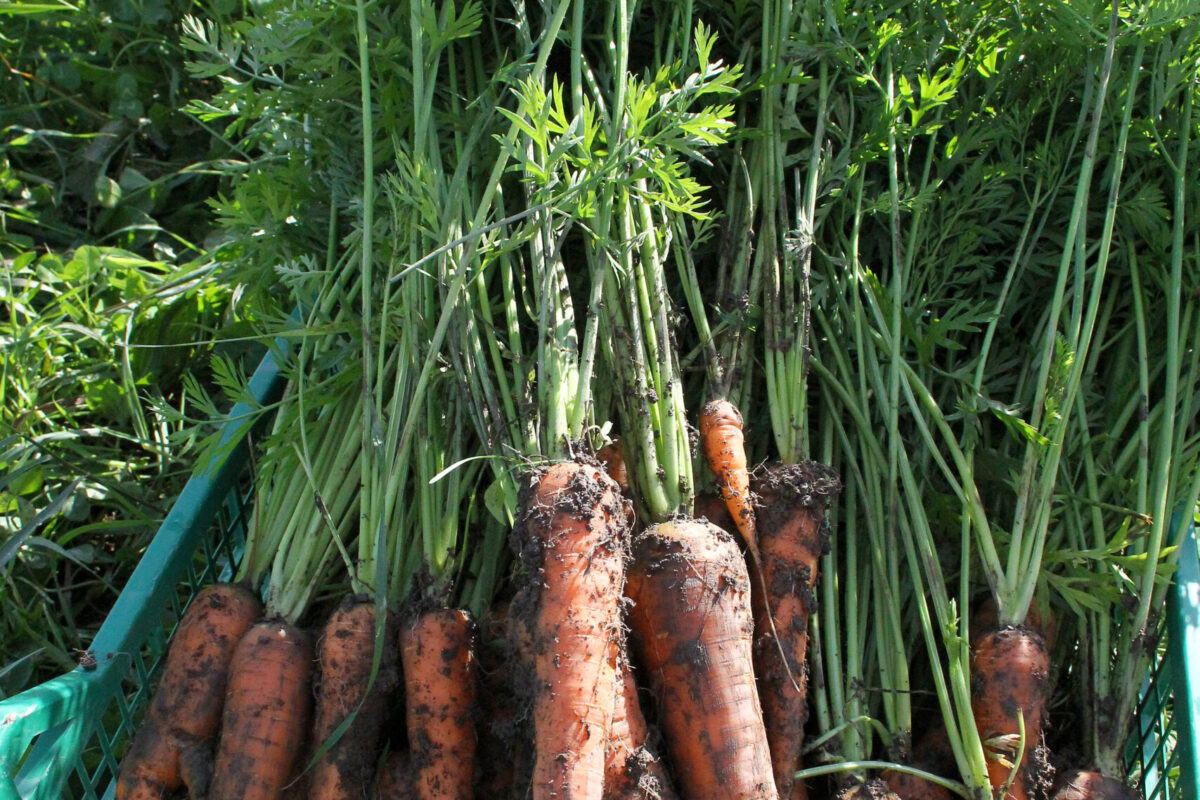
[267, 706]
[440, 682]
[173, 747]
[693, 630]
[571, 538]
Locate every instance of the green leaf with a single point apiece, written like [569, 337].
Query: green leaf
[501, 499]
[107, 192]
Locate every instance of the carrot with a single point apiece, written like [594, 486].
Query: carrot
[173, 748]
[724, 444]
[570, 538]
[612, 456]
[692, 632]
[438, 650]
[346, 650]
[792, 536]
[396, 778]
[1077, 784]
[632, 771]
[267, 706]
[1009, 681]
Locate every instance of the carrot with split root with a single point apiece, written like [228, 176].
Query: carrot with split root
[693, 630]
[570, 537]
[440, 678]
[173, 747]
[267, 705]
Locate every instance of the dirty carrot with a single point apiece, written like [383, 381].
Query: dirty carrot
[632, 770]
[724, 444]
[437, 648]
[173, 748]
[571, 533]
[267, 705]
[1009, 682]
[346, 650]
[692, 631]
[792, 537]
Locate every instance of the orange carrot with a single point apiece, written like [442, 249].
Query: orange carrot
[267, 706]
[792, 537]
[632, 770]
[173, 748]
[440, 666]
[612, 456]
[724, 445]
[346, 650]
[1009, 681]
[571, 535]
[692, 630]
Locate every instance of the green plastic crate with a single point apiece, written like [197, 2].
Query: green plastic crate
[61, 739]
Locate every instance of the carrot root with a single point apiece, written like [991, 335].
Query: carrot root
[173, 747]
[267, 705]
[571, 538]
[692, 631]
[792, 535]
[440, 674]
[1009, 682]
[346, 650]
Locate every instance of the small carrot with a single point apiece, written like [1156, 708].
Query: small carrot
[440, 674]
[173, 747]
[570, 537]
[267, 705]
[792, 537]
[612, 456]
[632, 770]
[346, 650]
[692, 631]
[724, 444]
[1010, 672]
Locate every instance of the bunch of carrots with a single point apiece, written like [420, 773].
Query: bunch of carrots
[594, 482]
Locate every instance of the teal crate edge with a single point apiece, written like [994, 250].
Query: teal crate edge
[1183, 630]
[42, 708]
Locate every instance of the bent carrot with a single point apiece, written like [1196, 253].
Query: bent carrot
[724, 444]
[267, 706]
[632, 771]
[1009, 680]
[173, 748]
[692, 631]
[437, 648]
[792, 535]
[346, 650]
[571, 536]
